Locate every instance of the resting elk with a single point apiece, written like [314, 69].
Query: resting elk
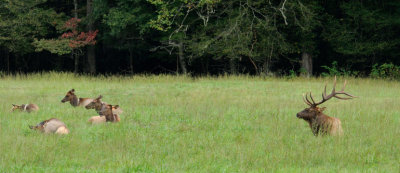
[26, 107]
[107, 111]
[52, 125]
[98, 105]
[314, 116]
[74, 100]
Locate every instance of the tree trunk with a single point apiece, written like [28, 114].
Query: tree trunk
[232, 66]
[267, 62]
[7, 60]
[306, 64]
[76, 57]
[254, 65]
[266, 67]
[91, 54]
[91, 58]
[130, 60]
[73, 52]
[76, 9]
[182, 58]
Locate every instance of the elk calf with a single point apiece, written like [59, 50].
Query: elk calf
[52, 125]
[74, 100]
[318, 121]
[26, 107]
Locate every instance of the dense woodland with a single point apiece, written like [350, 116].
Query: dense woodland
[201, 37]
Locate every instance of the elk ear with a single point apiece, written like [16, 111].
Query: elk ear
[100, 97]
[116, 106]
[72, 90]
[14, 105]
[322, 109]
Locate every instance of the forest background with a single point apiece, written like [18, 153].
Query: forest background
[202, 37]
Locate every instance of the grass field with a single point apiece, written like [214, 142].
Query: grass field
[182, 124]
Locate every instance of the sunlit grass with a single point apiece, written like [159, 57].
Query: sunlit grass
[209, 124]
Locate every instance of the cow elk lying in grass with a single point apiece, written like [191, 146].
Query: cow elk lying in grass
[52, 125]
[74, 100]
[26, 107]
[106, 115]
[318, 121]
[98, 105]
[107, 112]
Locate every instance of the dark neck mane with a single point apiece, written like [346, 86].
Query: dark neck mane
[110, 117]
[74, 101]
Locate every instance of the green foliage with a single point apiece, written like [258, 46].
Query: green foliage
[56, 46]
[362, 30]
[334, 70]
[170, 13]
[292, 74]
[260, 36]
[303, 72]
[22, 21]
[385, 71]
[118, 20]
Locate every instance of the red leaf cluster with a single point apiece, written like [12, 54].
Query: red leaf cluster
[78, 40]
[72, 23]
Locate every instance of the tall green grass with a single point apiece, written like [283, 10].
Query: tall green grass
[207, 124]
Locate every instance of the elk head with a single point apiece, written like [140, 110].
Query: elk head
[95, 104]
[107, 111]
[16, 107]
[39, 126]
[314, 114]
[69, 96]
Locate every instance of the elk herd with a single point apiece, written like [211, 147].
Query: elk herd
[107, 113]
[319, 123]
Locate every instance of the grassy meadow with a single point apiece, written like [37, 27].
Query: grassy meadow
[208, 124]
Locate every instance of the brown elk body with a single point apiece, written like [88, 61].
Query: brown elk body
[98, 105]
[52, 125]
[107, 112]
[26, 107]
[317, 120]
[74, 100]
[102, 119]
[321, 123]
[97, 119]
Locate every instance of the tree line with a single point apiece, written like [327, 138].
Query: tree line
[200, 37]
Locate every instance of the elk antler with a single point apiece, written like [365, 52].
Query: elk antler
[307, 101]
[333, 94]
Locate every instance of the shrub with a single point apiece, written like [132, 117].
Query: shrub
[385, 71]
[334, 70]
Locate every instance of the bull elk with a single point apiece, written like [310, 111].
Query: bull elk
[25, 107]
[314, 116]
[74, 100]
[52, 125]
